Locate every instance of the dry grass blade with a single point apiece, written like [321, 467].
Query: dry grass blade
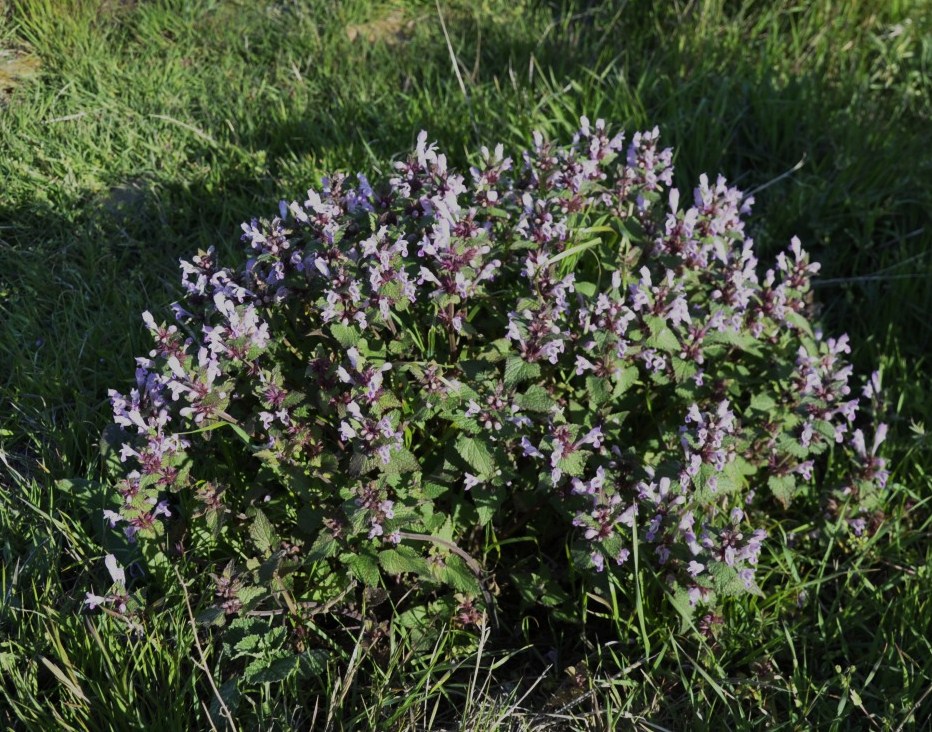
[16, 67]
[201, 661]
[392, 29]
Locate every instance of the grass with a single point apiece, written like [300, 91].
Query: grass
[133, 133]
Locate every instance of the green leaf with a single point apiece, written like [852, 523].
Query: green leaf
[262, 533]
[574, 463]
[346, 336]
[275, 667]
[625, 380]
[212, 616]
[403, 560]
[799, 322]
[111, 440]
[360, 464]
[324, 546]
[363, 567]
[724, 482]
[476, 454]
[535, 399]
[400, 461]
[598, 389]
[683, 370]
[783, 488]
[229, 693]
[388, 401]
[539, 589]
[313, 662]
[680, 601]
[458, 575]
[763, 403]
[433, 490]
[792, 446]
[725, 580]
[487, 499]
[518, 370]
[743, 341]
[661, 337]
[249, 596]
[588, 289]
[495, 351]
[247, 644]
[241, 433]
[825, 428]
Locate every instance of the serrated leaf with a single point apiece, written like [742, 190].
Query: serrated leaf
[363, 567]
[275, 667]
[324, 546]
[496, 350]
[111, 441]
[541, 589]
[792, 446]
[247, 644]
[433, 490]
[661, 337]
[825, 428]
[535, 399]
[313, 662]
[744, 341]
[270, 567]
[400, 461]
[706, 478]
[683, 370]
[574, 463]
[401, 345]
[598, 390]
[476, 454]
[458, 575]
[731, 478]
[446, 530]
[518, 370]
[388, 401]
[248, 596]
[725, 580]
[687, 611]
[402, 561]
[783, 488]
[346, 335]
[262, 533]
[360, 464]
[612, 545]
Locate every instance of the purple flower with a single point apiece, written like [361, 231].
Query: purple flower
[529, 449]
[93, 601]
[598, 561]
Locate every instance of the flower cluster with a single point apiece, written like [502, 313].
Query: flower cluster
[557, 342]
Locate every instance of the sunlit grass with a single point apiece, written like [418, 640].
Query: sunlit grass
[145, 130]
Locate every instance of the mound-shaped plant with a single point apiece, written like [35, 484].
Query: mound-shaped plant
[441, 388]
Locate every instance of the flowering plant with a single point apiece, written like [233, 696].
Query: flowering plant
[407, 378]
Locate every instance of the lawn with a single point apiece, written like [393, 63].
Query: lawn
[135, 132]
